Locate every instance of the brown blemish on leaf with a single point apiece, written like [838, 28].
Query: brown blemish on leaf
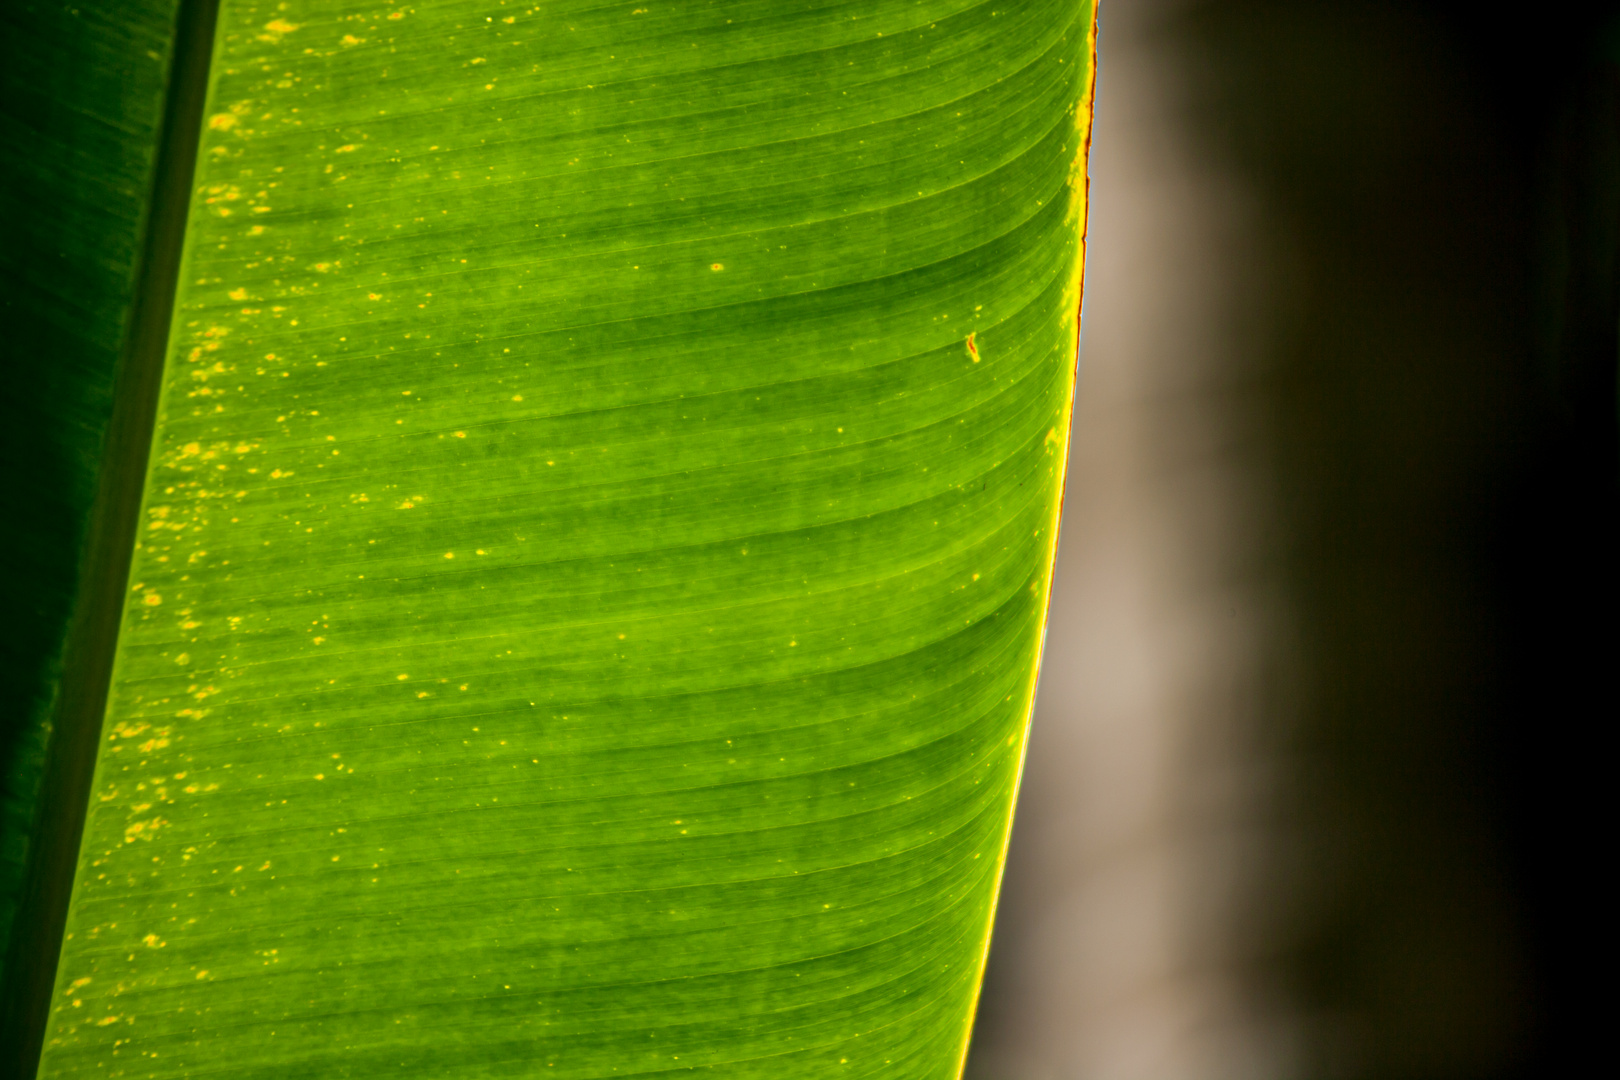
[972, 347]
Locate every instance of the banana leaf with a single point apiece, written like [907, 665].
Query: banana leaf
[594, 546]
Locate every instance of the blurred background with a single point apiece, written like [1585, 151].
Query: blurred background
[1314, 783]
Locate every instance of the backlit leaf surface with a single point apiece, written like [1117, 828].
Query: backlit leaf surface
[81, 99]
[596, 544]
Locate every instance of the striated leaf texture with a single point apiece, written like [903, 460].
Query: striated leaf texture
[596, 545]
[81, 97]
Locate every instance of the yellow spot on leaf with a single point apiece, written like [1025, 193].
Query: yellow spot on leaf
[238, 294]
[717, 266]
[280, 26]
[151, 599]
[141, 830]
[222, 121]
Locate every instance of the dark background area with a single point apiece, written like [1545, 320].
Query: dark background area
[1445, 416]
[1416, 316]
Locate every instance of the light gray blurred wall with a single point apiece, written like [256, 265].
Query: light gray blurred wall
[1147, 822]
[1267, 829]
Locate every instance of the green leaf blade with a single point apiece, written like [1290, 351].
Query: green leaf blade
[596, 544]
[80, 109]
